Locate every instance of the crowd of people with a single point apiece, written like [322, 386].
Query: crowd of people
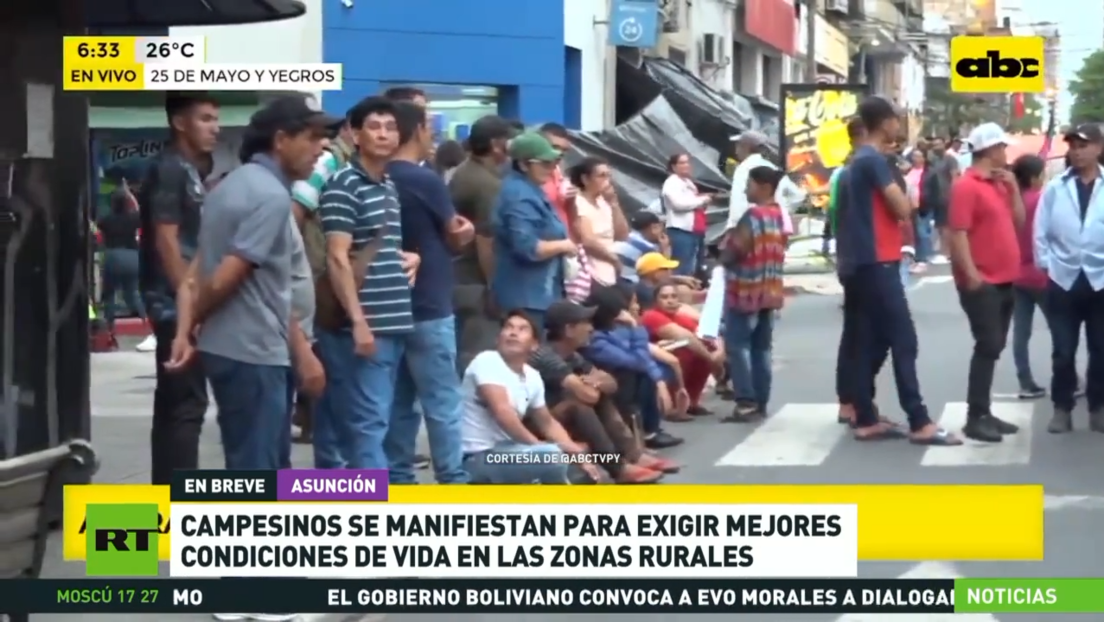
[1017, 241]
[353, 269]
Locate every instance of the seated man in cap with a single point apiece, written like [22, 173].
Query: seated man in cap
[583, 398]
[655, 269]
[508, 434]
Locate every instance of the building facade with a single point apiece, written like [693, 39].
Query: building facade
[471, 57]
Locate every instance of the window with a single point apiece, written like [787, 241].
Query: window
[454, 107]
[677, 56]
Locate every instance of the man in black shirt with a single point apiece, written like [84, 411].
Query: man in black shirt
[170, 201]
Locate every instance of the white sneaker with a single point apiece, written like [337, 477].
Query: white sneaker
[149, 344]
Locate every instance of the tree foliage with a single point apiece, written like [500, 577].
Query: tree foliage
[950, 114]
[1088, 90]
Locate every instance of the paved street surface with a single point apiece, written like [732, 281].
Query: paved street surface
[799, 444]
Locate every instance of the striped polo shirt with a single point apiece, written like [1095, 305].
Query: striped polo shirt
[629, 250]
[353, 203]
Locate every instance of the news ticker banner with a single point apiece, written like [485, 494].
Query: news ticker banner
[179, 64]
[555, 596]
[336, 524]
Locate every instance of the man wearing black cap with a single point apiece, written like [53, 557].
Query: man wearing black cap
[249, 337]
[474, 188]
[1069, 247]
[169, 202]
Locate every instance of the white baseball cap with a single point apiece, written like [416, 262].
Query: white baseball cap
[988, 135]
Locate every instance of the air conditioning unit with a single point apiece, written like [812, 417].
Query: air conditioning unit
[671, 15]
[837, 6]
[712, 49]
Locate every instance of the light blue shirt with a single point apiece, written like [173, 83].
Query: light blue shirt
[1066, 245]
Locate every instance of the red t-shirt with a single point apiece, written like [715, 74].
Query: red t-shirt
[982, 207]
[654, 319]
[1030, 276]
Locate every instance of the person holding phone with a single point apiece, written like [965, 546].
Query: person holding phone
[685, 207]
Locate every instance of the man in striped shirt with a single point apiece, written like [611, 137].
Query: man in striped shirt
[359, 204]
[647, 230]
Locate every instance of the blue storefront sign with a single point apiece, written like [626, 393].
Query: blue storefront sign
[634, 23]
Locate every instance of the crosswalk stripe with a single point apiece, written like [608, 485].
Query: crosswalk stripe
[796, 435]
[1015, 449]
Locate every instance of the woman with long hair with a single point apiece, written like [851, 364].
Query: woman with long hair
[595, 221]
[684, 206]
[1029, 289]
[698, 358]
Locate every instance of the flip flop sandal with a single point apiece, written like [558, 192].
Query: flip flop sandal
[941, 438]
[887, 433]
[679, 417]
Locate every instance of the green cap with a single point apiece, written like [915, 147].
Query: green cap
[533, 146]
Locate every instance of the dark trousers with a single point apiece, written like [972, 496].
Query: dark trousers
[989, 312]
[120, 278]
[1067, 311]
[179, 406]
[848, 353]
[883, 324]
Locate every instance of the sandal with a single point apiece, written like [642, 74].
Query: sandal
[743, 413]
[888, 431]
[678, 417]
[941, 438]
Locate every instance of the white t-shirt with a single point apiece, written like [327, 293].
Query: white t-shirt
[479, 430]
[681, 199]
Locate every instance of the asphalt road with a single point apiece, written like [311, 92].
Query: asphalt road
[805, 445]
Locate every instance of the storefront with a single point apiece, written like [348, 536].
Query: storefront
[472, 59]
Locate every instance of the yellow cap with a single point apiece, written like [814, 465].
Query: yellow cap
[652, 262]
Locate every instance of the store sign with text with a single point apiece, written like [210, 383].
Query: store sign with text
[814, 132]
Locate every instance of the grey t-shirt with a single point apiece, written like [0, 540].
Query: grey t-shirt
[249, 215]
[302, 283]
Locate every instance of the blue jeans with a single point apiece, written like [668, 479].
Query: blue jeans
[883, 323]
[748, 340]
[359, 395]
[924, 240]
[427, 376]
[1023, 316]
[686, 247]
[488, 467]
[254, 412]
[650, 417]
[120, 277]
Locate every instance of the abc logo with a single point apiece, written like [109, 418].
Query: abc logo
[997, 64]
[994, 66]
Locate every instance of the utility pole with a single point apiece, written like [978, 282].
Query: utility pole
[810, 41]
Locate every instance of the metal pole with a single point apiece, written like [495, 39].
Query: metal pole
[810, 41]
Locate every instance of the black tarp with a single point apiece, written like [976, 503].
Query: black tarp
[664, 110]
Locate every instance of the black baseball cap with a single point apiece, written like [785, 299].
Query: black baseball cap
[1088, 132]
[293, 113]
[643, 219]
[565, 313]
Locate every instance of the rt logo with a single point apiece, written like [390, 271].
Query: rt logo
[997, 65]
[122, 540]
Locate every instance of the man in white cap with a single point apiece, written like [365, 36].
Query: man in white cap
[749, 152]
[984, 213]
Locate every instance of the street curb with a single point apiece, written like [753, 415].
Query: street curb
[131, 327]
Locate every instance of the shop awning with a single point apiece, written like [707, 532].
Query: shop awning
[165, 13]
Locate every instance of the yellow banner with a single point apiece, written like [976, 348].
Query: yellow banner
[895, 521]
[815, 133]
[101, 64]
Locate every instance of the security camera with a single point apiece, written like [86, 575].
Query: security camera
[348, 4]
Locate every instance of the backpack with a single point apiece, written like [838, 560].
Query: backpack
[314, 239]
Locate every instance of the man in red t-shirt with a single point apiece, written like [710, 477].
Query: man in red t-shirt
[985, 211]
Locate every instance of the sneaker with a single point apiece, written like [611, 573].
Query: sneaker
[1032, 393]
[662, 440]
[421, 462]
[1096, 420]
[982, 429]
[636, 474]
[149, 344]
[1061, 422]
[1002, 426]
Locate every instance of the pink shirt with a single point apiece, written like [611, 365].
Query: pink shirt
[1030, 276]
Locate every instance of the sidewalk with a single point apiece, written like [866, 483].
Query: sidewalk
[122, 396]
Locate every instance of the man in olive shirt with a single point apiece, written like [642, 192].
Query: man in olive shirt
[474, 188]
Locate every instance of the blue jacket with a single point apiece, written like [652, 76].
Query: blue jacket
[623, 347]
[1067, 245]
[521, 218]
